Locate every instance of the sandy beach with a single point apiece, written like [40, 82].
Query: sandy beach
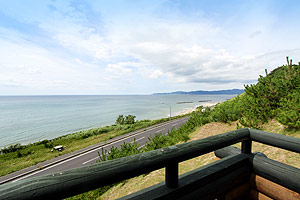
[194, 109]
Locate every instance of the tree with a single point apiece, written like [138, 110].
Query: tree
[120, 120]
[129, 119]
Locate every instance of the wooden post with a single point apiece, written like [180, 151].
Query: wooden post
[172, 175]
[246, 146]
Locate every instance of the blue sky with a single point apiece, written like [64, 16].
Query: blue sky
[142, 47]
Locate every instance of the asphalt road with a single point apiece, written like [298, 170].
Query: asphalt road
[89, 157]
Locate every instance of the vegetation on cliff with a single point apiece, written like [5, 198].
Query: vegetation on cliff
[275, 96]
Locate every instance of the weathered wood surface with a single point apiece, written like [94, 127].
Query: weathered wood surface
[203, 183]
[272, 170]
[272, 189]
[171, 175]
[255, 195]
[277, 172]
[276, 140]
[71, 182]
[230, 150]
[241, 191]
[227, 151]
[246, 146]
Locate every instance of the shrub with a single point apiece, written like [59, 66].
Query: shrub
[12, 148]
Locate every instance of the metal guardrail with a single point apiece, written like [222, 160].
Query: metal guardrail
[71, 182]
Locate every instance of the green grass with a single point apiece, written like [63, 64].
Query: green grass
[35, 153]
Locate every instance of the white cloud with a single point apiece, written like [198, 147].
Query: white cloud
[186, 54]
[121, 68]
[156, 74]
[178, 53]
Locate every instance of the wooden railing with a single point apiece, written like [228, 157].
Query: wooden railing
[214, 178]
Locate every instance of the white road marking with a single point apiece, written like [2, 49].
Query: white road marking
[174, 124]
[142, 146]
[93, 159]
[90, 160]
[159, 131]
[138, 139]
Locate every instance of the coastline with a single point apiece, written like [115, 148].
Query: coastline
[188, 111]
[45, 118]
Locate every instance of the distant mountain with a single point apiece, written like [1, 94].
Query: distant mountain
[233, 91]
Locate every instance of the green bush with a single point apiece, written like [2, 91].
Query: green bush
[274, 96]
[12, 148]
[228, 111]
[289, 112]
[129, 119]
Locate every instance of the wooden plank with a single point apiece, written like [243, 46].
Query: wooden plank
[276, 140]
[277, 172]
[171, 175]
[239, 192]
[272, 189]
[227, 151]
[246, 146]
[71, 182]
[255, 195]
[212, 179]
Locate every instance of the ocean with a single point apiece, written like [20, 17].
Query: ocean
[28, 119]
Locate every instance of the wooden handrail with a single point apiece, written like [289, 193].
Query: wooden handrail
[276, 140]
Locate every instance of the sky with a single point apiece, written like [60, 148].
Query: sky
[108, 47]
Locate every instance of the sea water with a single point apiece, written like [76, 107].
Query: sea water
[28, 119]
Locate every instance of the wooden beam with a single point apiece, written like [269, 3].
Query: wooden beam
[276, 140]
[277, 172]
[227, 151]
[272, 189]
[255, 195]
[272, 170]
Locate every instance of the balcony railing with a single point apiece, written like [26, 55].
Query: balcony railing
[210, 181]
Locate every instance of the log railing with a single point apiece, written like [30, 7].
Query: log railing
[207, 179]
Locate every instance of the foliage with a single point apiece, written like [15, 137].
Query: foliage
[120, 119]
[126, 149]
[129, 119]
[274, 96]
[227, 111]
[289, 112]
[12, 148]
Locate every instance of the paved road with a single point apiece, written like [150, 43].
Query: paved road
[89, 155]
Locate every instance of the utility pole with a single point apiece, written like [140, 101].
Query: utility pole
[170, 121]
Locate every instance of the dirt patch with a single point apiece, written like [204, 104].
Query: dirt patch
[213, 128]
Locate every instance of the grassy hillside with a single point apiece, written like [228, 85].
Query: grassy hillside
[271, 105]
